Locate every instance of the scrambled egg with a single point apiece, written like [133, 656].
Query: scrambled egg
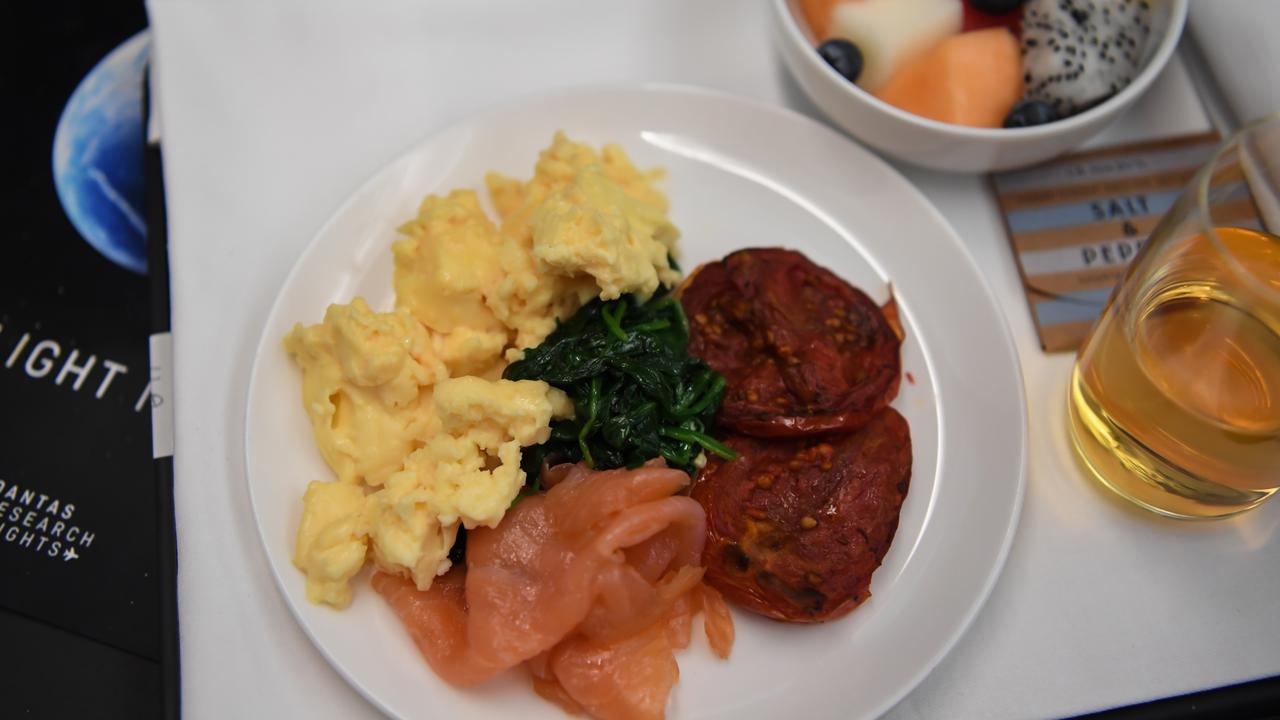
[366, 385]
[442, 268]
[591, 225]
[468, 474]
[332, 540]
[406, 406]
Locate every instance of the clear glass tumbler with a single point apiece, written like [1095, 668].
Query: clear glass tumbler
[1175, 396]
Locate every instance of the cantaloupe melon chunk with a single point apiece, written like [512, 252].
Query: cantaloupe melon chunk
[973, 78]
[817, 15]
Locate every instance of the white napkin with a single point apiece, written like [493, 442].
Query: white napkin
[1240, 43]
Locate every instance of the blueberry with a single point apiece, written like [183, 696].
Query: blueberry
[996, 7]
[1028, 113]
[844, 56]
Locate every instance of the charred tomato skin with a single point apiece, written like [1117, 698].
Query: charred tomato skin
[802, 351]
[795, 528]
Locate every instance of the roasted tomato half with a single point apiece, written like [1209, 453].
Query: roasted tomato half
[796, 527]
[802, 351]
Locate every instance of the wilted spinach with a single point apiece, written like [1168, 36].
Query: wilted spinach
[636, 391]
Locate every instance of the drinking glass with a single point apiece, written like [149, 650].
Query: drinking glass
[1175, 396]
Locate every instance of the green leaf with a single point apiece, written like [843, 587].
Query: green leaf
[637, 393]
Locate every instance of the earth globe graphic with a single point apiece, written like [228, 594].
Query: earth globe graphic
[98, 156]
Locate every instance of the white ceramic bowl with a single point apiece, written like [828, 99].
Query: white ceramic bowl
[905, 136]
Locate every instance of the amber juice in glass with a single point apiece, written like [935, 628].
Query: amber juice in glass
[1175, 396]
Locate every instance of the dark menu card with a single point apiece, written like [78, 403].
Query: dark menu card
[80, 628]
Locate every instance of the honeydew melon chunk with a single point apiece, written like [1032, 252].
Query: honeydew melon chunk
[890, 32]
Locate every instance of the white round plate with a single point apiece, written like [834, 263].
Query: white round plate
[739, 174]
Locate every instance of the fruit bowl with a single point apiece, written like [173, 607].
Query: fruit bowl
[938, 145]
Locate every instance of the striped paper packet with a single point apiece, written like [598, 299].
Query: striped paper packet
[1076, 222]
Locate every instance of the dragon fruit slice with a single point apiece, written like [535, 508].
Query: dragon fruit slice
[1077, 53]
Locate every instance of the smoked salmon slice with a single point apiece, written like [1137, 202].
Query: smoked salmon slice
[592, 586]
